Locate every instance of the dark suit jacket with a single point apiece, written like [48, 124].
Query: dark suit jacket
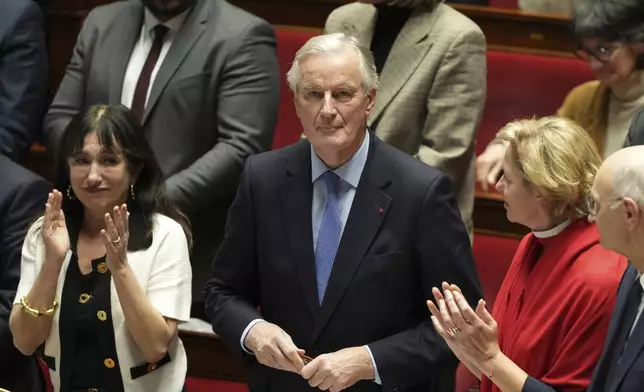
[23, 75]
[629, 376]
[403, 236]
[22, 199]
[635, 134]
[212, 104]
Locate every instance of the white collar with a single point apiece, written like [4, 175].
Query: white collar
[554, 231]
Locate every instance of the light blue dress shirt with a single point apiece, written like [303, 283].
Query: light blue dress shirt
[350, 174]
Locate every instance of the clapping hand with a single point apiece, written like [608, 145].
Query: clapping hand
[54, 229]
[115, 237]
[469, 333]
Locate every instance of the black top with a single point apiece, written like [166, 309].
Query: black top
[88, 350]
[389, 22]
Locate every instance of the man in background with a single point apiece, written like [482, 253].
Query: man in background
[617, 207]
[202, 77]
[333, 245]
[23, 75]
[22, 199]
[432, 66]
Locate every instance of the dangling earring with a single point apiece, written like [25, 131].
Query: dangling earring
[70, 193]
[132, 191]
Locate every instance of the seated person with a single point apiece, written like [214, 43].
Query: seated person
[111, 275]
[635, 134]
[23, 75]
[610, 36]
[430, 102]
[22, 199]
[555, 303]
[617, 207]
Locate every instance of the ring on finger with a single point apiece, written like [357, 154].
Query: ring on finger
[116, 241]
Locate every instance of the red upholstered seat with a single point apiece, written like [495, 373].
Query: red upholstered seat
[523, 85]
[493, 256]
[288, 128]
[194, 384]
[513, 4]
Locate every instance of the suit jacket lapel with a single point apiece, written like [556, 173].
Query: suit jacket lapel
[368, 211]
[296, 195]
[409, 49]
[128, 32]
[634, 345]
[192, 29]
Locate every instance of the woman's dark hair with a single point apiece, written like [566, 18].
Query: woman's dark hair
[118, 130]
[610, 20]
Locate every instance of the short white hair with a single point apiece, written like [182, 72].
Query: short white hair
[628, 181]
[334, 43]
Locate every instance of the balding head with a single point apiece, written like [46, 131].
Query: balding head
[623, 171]
[618, 203]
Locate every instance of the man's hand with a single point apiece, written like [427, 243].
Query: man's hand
[489, 165]
[339, 370]
[273, 347]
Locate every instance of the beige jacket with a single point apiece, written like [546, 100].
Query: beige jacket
[432, 88]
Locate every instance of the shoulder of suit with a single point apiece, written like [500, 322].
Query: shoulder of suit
[111, 10]
[405, 166]
[453, 22]
[347, 13]
[240, 18]
[15, 176]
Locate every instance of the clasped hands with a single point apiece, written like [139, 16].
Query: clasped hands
[334, 371]
[472, 335]
[56, 236]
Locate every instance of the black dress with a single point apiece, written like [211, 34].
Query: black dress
[88, 350]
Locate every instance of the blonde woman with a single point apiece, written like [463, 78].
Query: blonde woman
[555, 303]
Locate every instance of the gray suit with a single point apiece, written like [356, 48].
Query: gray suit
[212, 104]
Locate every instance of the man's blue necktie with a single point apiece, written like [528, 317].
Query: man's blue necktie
[329, 233]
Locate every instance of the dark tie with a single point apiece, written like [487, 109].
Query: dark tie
[329, 234]
[624, 328]
[141, 90]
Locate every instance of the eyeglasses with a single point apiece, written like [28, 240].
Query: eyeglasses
[602, 54]
[593, 205]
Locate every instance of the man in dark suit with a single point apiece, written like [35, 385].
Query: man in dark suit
[22, 198]
[635, 134]
[23, 75]
[202, 76]
[617, 206]
[339, 240]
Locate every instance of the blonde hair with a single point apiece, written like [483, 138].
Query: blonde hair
[558, 157]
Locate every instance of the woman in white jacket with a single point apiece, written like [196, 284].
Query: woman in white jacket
[104, 284]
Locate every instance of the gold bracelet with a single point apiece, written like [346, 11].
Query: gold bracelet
[36, 312]
[496, 356]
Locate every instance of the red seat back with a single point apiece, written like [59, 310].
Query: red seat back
[523, 85]
[513, 4]
[288, 129]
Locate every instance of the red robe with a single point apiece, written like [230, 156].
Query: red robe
[555, 304]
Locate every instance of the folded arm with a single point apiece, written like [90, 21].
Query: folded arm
[247, 113]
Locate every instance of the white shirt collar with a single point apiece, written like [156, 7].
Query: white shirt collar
[174, 25]
[554, 231]
[350, 171]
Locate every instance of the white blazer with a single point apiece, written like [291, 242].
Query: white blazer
[164, 272]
